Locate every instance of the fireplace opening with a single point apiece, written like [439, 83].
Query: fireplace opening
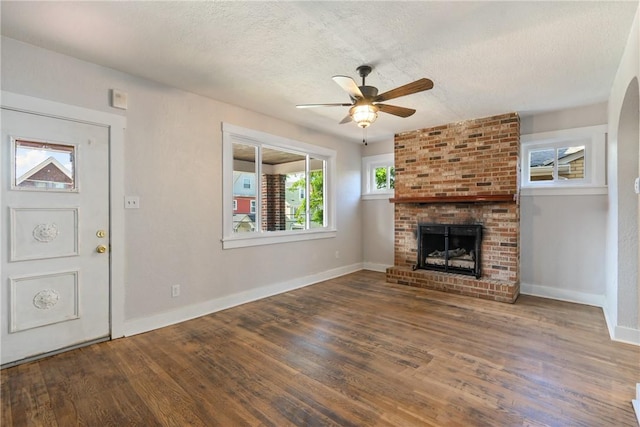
[450, 248]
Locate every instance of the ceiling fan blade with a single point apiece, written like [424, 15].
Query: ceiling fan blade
[347, 119]
[322, 105]
[408, 89]
[395, 110]
[349, 85]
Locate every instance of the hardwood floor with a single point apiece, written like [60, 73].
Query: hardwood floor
[353, 351]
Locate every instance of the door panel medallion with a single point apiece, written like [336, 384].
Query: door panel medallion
[56, 228]
[46, 299]
[45, 233]
[41, 300]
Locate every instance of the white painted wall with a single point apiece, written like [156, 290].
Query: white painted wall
[377, 219]
[562, 253]
[622, 293]
[173, 163]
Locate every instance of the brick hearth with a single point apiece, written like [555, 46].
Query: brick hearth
[460, 173]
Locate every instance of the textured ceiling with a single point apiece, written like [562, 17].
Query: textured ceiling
[485, 58]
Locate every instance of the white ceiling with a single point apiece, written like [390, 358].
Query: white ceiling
[485, 58]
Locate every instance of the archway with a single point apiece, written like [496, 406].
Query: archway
[628, 207]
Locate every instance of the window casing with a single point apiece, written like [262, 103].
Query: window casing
[292, 194]
[378, 176]
[570, 161]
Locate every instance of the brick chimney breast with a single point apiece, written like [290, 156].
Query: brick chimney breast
[460, 173]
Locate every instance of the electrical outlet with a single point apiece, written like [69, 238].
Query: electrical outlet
[175, 291]
[131, 202]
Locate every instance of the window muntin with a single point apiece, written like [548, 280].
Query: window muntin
[43, 165]
[290, 188]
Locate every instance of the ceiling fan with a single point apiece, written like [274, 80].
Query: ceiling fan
[365, 101]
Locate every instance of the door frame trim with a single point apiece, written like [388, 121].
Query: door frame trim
[116, 125]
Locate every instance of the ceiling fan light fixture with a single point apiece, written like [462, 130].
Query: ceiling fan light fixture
[364, 114]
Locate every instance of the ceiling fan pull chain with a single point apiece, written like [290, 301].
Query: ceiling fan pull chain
[364, 136]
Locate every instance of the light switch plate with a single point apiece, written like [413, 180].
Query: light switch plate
[636, 185]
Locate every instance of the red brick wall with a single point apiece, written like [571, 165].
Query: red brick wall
[273, 193]
[472, 158]
[475, 157]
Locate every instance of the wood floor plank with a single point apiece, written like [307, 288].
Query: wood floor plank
[351, 351]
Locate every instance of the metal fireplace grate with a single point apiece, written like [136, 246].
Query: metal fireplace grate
[450, 248]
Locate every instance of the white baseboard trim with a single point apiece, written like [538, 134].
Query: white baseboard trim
[609, 321]
[626, 335]
[562, 294]
[382, 268]
[616, 333]
[160, 320]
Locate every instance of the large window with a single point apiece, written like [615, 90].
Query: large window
[283, 189]
[564, 162]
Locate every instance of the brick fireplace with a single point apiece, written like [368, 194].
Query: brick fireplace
[460, 173]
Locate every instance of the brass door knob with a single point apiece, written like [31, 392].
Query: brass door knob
[101, 249]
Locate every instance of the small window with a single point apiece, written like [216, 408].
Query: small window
[235, 205]
[253, 206]
[246, 183]
[573, 159]
[43, 165]
[557, 164]
[378, 176]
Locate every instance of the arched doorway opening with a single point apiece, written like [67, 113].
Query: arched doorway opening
[628, 208]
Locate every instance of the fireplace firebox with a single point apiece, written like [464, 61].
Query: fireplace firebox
[451, 248]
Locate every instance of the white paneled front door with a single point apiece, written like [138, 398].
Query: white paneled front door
[55, 234]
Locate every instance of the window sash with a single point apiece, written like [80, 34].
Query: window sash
[370, 164]
[592, 138]
[237, 135]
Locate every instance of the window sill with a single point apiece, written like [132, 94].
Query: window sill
[564, 191]
[377, 196]
[274, 237]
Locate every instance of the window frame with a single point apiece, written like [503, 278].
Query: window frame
[369, 165]
[232, 134]
[593, 138]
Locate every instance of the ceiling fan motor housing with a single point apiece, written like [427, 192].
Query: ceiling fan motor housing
[369, 92]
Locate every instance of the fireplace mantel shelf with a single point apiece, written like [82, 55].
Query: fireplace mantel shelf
[495, 198]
